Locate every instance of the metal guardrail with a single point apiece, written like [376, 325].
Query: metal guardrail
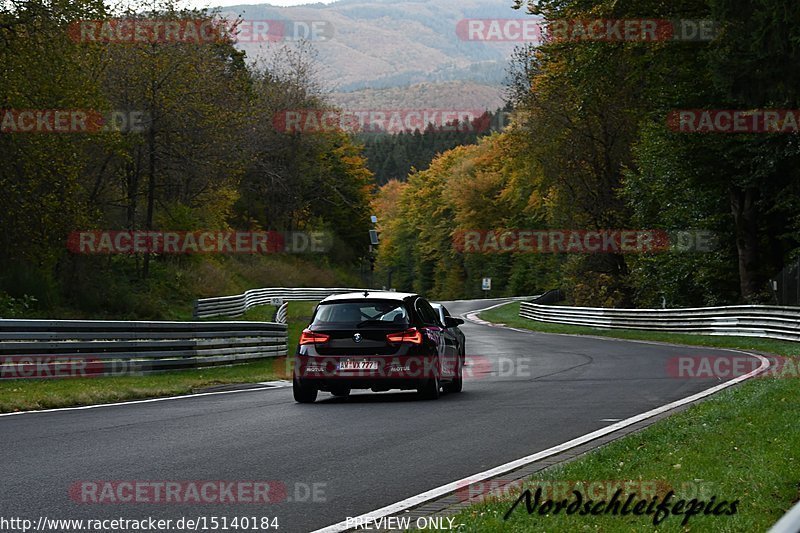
[739, 320]
[30, 347]
[280, 314]
[237, 305]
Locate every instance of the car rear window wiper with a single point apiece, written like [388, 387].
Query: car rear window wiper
[371, 321]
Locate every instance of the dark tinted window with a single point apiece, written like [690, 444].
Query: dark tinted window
[363, 313]
[426, 313]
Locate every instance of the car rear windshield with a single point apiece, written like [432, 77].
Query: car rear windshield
[367, 313]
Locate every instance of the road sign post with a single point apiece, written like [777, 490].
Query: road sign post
[486, 285]
[373, 243]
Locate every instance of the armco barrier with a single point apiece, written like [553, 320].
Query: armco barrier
[118, 347]
[280, 314]
[739, 320]
[237, 305]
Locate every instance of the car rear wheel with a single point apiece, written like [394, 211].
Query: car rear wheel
[430, 390]
[303, 393]
[458, 381]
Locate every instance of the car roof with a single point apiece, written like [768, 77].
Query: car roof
[370, 295]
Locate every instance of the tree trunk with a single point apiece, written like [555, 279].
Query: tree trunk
[132, 178]
[151, 195]
[745, 215]
[151, 172]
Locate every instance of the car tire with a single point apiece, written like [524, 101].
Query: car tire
[457, 385]
[430, 389]
[303, 393]
[341, 393]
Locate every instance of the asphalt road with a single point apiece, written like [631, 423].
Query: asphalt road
[528, 392]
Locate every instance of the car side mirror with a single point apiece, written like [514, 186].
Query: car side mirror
[452, 322]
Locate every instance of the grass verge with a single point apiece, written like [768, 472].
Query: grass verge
[742, 444]
[33, 394]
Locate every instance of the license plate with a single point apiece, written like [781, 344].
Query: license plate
[349, 364]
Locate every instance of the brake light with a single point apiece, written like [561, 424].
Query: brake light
[309, 337]
[412, 336]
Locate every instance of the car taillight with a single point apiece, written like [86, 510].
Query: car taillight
[309, 337]
[413, 336]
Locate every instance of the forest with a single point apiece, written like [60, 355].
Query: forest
[203, 157]
[592, 146]
[587, 143]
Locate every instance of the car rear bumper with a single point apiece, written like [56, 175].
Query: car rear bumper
[390, 372]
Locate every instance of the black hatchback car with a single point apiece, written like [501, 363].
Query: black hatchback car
[378, 341]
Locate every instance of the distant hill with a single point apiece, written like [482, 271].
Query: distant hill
[464, 94]
[391, 44]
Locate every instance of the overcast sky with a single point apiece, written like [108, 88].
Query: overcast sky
[216, 3]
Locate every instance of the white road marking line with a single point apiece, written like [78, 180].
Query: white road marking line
[277, 383]
[443, 490]
[273, 385]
